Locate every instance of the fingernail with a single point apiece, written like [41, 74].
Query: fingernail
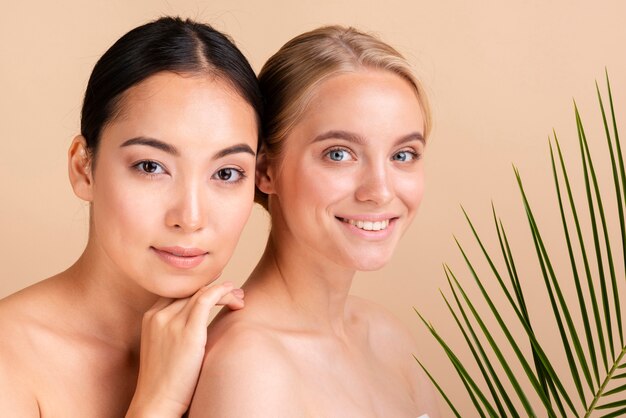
[238, 292]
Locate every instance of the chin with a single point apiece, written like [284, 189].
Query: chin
[369, 263]
[371, 258]
[176, 288]
[371, 266]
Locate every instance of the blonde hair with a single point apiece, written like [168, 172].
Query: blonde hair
[289, 78]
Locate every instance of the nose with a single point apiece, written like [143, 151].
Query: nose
[375, 185]
[187, 211]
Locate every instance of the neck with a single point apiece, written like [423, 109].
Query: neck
[308, 290]
[112, 304]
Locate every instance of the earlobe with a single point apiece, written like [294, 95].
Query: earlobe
[80, 169]
[264, 173]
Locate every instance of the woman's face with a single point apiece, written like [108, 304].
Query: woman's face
[173, 182]
[350, 177]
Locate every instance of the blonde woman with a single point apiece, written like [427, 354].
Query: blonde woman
[341, 174]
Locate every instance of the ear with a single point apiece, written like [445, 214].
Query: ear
[80, 169]
[264, 173]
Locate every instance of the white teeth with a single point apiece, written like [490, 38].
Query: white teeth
[369, 225]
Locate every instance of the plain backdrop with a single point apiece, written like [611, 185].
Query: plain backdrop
[500, 76]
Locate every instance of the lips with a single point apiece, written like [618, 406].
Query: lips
[180, 257]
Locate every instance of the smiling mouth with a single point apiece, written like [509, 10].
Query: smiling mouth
[367, 225]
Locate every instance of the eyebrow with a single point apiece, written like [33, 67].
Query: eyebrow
[170, 149]
[235, 149]
[348, 136]
[151, 142]
[413, 136]
[358, 139]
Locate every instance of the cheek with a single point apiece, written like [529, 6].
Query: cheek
[232, 213]
[121, 209]
[410, 189]
[319, 186]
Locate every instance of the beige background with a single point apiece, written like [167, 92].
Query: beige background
[500, 76]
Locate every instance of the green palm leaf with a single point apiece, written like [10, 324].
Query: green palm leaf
[591, 336]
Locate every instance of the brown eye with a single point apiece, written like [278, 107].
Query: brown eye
[229, 175]
[149, 167]
[225, 174]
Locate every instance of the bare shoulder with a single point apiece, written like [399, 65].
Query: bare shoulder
[16, 397]
[234, 333]
[246, 372]
[18, 323]
[387, 333]
[20, 326]
[388, 338]
[393, 343]
[26, 314]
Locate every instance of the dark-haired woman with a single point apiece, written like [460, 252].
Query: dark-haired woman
[165, 158]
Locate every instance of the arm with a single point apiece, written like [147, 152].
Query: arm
[15, 399]
[246, 374]
[173, 340]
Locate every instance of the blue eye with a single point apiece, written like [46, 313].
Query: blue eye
[149, 167]
[338, 154]
[229, 175]
[404, 156]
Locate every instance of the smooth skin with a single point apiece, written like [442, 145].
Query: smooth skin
[169, 191]
[304, 347]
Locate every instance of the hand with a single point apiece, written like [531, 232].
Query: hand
[173, 340]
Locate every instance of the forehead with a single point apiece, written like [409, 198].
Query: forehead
[195, 109]
[369, 102]
[172, 91]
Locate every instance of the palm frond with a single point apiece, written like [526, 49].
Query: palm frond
[590, 325]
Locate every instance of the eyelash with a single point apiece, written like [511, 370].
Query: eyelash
[138, 166]
[414, 154]
[329, 151]
[242, 175]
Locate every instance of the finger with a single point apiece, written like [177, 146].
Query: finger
[175, 307]
[199, 314]
[193, 300]
[231, 300]
[159, 304]
[158, 321]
